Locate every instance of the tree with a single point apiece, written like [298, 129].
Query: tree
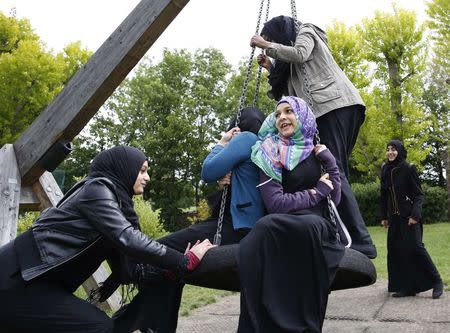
[169, 110]
[30, 75]
[396, 47]
[347, 47]
[436, 96]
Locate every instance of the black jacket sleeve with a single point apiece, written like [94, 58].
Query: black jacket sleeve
[100, 206]
[416, 193]
[383, 198]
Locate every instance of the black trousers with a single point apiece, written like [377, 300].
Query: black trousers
[338, 130]
[156, 305]
[44, 308]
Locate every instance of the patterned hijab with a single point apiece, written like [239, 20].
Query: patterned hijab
[273, 152]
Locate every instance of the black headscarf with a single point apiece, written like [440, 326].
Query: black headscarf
[251, 120]
[400, 159]
[281, 30]
[121, 165]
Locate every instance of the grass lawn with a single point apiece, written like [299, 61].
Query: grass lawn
[195, 297]
[436, 238]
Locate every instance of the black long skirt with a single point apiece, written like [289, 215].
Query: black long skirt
[286, 266]
[410, 268]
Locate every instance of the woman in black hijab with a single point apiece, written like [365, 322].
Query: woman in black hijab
[95, 221]
[410, 268]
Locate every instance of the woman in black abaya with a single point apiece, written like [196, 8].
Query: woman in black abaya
[410, 268]
[289, 259]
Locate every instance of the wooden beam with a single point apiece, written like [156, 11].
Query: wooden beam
[49, 194]
[9, 194]
[28, 199]
[101, 274]
[47, 191]
[86, 92]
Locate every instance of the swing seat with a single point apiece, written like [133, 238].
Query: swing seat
[218, 270]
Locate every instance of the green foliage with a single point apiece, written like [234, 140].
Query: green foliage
[346, 45]
[435, 204]
[203, 212]
[439, 23]
[148, 218]
[395, 46]
[436, 97]
[26, 220]
[170, 110]
[368, 198]
[30, 75]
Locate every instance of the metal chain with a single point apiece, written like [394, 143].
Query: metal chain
[243, 97]
[259, 74]
[218, 236]
[294, 15]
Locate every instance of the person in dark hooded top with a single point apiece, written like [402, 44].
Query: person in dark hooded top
[304, 67]
[95, 221]
[228, 163]
[410, 268]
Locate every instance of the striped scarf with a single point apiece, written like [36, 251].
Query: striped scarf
[273, 152]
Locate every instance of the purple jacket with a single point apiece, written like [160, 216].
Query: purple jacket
[277, 201]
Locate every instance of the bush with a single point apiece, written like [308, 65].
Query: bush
[368, 196]
[148, 218]
[26, 220]
[435, 204]
[203, 212]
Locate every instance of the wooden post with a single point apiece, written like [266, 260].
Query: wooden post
[9, 194]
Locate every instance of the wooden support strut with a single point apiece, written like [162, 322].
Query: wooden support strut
[86, 92]
[9, 194]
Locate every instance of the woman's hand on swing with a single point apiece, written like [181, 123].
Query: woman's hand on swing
[264, 61]
[200, 248]
[229, 135]
[225, 180]
[326, 179]
[258, 41]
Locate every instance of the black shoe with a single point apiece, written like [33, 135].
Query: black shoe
[403, 294]
[438, 289]
[367, 249]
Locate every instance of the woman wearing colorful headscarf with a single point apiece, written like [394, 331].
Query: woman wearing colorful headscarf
[304, 66]
[289, 259]
[410, 268]
[95, 221]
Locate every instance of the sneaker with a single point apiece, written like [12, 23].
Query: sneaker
[403, 294]
[438, 289]
[367, 249]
